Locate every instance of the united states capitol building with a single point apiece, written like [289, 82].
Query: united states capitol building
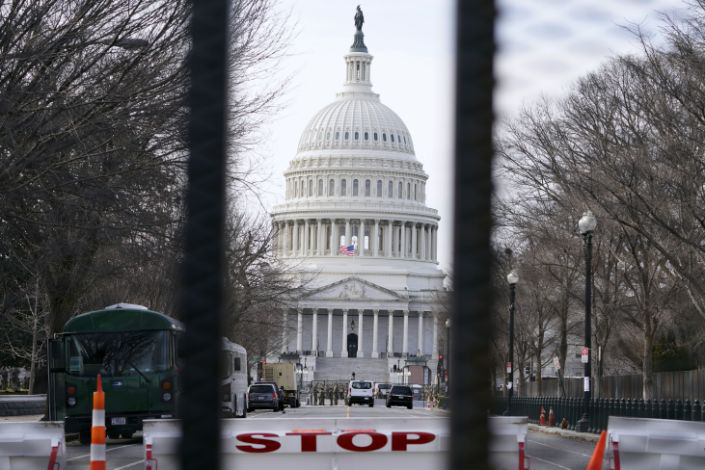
[356, 230]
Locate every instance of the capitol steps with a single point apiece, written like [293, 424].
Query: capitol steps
[341, 368]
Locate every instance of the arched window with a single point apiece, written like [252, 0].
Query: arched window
[367, 136]
[392, 136]
[331, 187]
[355, 188]
[301, 191]
[327, 135]
[408, 190]
[320, 187]
[398, 139]
[379, 188]
[416, 197]
[337, 136]
[405, 139]
[296, 189]
[310, 188]
[399, 190]
[390, 189]
[343, 187]
[384, 137]
[347, 135]
[357, 135]
[375, 136]
[368, 188]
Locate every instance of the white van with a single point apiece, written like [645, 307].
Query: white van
[360, 391]
[233, 378]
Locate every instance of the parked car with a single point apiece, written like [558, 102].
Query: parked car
[280, 392]
[400, 395]
[360, 391]
[263, 395]
[382, 390]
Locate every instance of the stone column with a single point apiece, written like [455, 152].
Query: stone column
[319, 237]
[348, 232]
[375, 314]
[434, 243]
[314, 335]
[419, 336]
[299, 330]
[434, 351]
[285, 326]
[405, 337]
[333, 238]
[295, 247]
[388, 238]
[344, 349]
[359, 334]
[423, 242]
[329, 342]
[286, 251]
[403, 240]
[361, 237]
[413, 240]
[376, 238]
[390, 334]
[307, 238]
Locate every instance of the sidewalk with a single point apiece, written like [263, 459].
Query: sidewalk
[566, 433]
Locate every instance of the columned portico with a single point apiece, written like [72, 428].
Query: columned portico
[329, 342]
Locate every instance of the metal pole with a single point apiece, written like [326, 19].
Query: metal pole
[510, 380]
[471, 357]
[202, 268]
[584, 423]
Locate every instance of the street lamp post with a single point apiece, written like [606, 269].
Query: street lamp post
[447, 365]
[586, 225]
[512, 279]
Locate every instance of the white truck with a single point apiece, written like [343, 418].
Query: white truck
[360, 391]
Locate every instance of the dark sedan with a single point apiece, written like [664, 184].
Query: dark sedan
[400, 395]
[263, 396]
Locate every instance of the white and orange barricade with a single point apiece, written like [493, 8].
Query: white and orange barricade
[98, 428]
[35, 444]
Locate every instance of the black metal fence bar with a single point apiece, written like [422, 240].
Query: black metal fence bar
[569, 408]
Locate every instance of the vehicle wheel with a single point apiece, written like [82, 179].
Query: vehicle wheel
[126, 435]
[388, 405]
[409, 406]
[298, 403]
[244, 413]
[372, 404]
[85, 436]
[113, 435]
[250, 410]
[275, 408]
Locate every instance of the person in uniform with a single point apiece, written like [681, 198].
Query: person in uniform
[330, 394]
[336, 393]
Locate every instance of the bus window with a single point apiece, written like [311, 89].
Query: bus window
[236, 364]
[115, 354]
[225, 361]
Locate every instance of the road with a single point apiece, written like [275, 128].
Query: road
[547, 452]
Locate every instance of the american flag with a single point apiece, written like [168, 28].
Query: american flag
[347, 250]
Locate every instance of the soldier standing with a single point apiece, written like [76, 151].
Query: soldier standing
[336, 392]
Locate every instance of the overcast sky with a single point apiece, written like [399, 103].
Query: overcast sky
[544, 46]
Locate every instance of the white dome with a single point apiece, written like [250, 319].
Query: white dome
[356, 121]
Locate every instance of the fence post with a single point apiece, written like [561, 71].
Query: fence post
[670, 410]
[695, 411]
[686, 411]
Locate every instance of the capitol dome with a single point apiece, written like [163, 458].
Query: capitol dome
[357, 121]
[355, 229]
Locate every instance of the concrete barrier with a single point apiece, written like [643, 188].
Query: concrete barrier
[32, 445]
[414, 443]
[22, 405]
[508, 444]
[313, 443]
[656, 444]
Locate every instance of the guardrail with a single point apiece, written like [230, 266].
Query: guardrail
[30, 445]
[656, 444]
[600, 409]
[22, 405]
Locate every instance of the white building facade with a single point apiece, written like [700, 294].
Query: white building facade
[355, 180]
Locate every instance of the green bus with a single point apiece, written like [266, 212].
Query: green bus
[134, 350]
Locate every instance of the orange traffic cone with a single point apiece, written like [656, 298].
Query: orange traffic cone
[542, 417]
[598, 455]
[98, 429]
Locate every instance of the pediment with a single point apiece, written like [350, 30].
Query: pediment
[352, 288]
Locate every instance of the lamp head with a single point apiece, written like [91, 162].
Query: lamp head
[512, 277]
[587, 223]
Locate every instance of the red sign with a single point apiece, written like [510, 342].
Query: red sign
[401, 441]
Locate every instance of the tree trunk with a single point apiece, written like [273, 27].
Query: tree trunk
[33, 364]
[648, 361]
[539, 375]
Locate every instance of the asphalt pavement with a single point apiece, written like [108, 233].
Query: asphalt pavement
[546, 451]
